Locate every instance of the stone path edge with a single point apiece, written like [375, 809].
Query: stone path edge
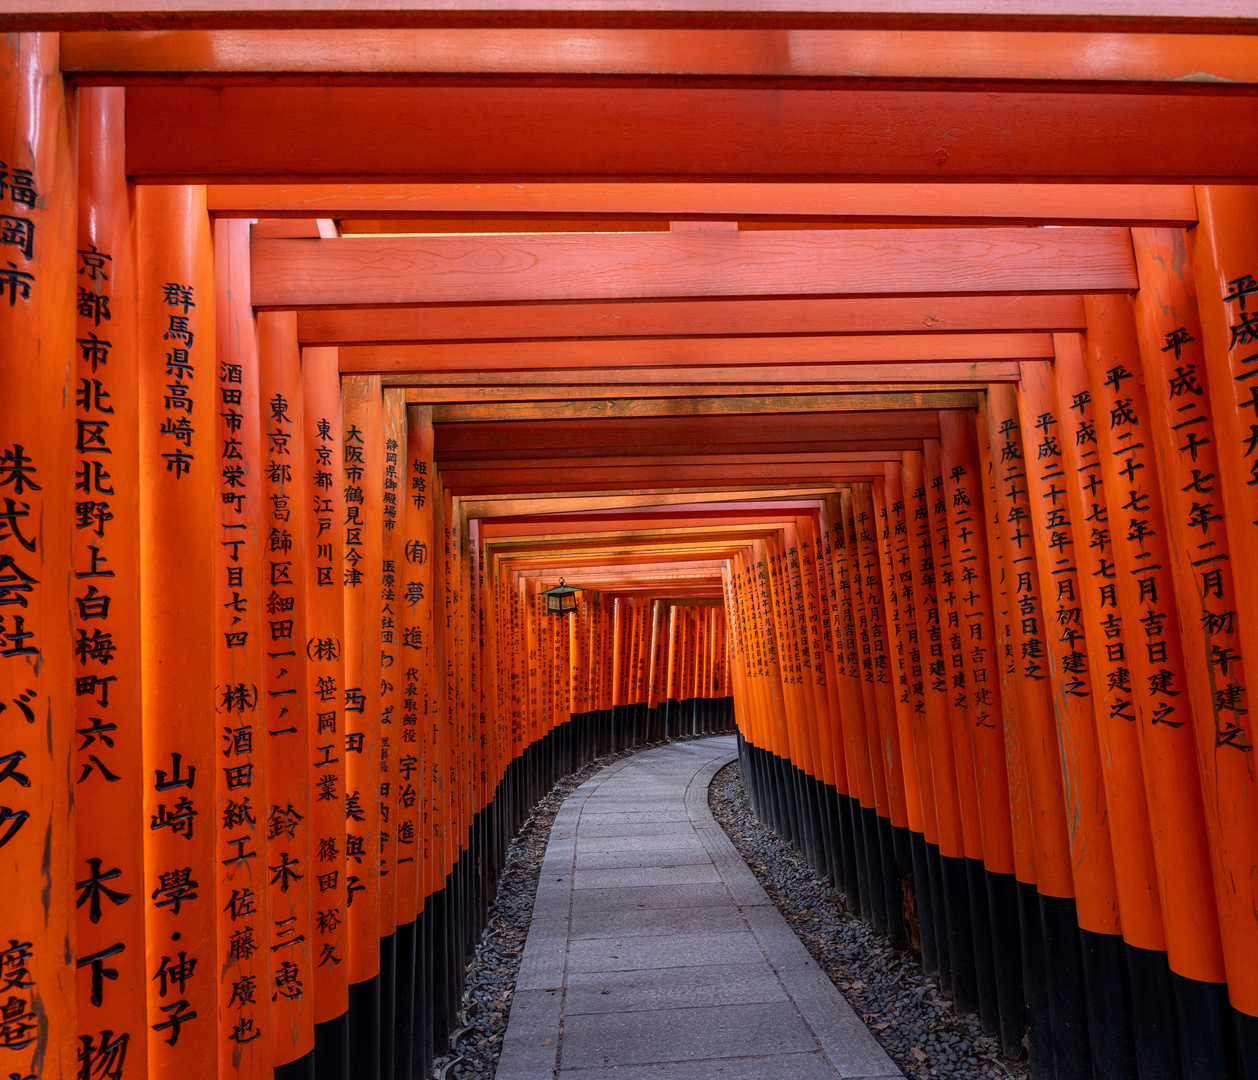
[531, 1045]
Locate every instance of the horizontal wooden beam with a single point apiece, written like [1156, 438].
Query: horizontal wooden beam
[642, 408]
[475, 396]
[526, 480]
[696, 318]
[657, 461]
[1185, 16]
[239, 134]
[662, 57]
[516, 204]
[497, 507]
[407, 270]
[575, 437]
[720, 359]
[690, 445]
[969, 378]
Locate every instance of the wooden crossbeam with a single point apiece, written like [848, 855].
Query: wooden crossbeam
[1195, 16]
[475, 485]
[478, 206]
[752, 405]
[449, 467]
[735, 442]
[494, 395]
[730, 355]
[497, 506]
[406, 270]
[983, 376]
[690, 433]
[237, 134]
[664, 57]
[698, 318]
[615, 476]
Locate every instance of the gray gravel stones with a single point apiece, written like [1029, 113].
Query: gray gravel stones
[904, 1008]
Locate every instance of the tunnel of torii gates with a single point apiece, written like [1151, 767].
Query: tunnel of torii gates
[883, 382]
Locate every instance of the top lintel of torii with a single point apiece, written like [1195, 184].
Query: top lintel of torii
[1158, 16]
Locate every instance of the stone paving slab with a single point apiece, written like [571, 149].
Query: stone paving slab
[649, 922]
[657, 955]
[635, 1038]
[673, 855]
[650, 896]
[698, 874]
[780, 1067]
[654, 953]
[671, 988]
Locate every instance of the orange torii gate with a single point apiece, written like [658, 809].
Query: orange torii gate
[843, 446]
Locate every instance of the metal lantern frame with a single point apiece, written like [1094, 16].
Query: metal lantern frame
[561, 600]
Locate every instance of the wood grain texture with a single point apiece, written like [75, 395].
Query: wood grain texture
[507, 479]
[968, 377]
[1027, 203]
[1199, 16]
[406, 270]
[702, 318]
[196, 134]
[1182, 62]
[756, 405]
[693, 432]
[499, 507]
[736, 358]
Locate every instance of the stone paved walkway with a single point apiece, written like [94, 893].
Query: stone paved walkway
[654, 954]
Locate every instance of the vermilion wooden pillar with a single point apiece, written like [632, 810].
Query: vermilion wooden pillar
[1096, 897]
[290, 730]
[1224, 253]
[879, 669]
[1190, 456]
[1118, 737]
[1145, 596]
[392, 766]
[911, 700]
[37, 339]
[108, 777]
[993, 889]
[897, 658]
[324, 512]
[243, 566]
[809, 615]
[1026, 663]
[179, 534]
[962, 492]
[362, 479]
[414, 603]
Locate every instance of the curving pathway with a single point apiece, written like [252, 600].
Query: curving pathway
[654, 954]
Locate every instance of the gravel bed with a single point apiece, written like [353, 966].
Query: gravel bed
[492, 972]
[904, 1008]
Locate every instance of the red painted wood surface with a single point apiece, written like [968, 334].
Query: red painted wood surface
[1156, 15]
[720, 353]
[652, 205]
[801, 57]
[433, 134]
[705, 318]
[411, 270]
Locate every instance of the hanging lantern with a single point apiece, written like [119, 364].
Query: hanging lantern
[561, 600]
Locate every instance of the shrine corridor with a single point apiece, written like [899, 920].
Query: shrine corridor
[656, 952]
[404, 404]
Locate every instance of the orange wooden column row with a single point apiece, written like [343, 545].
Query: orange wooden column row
[181, 535]
[243, 686]
[108, 774]
[324, 651]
